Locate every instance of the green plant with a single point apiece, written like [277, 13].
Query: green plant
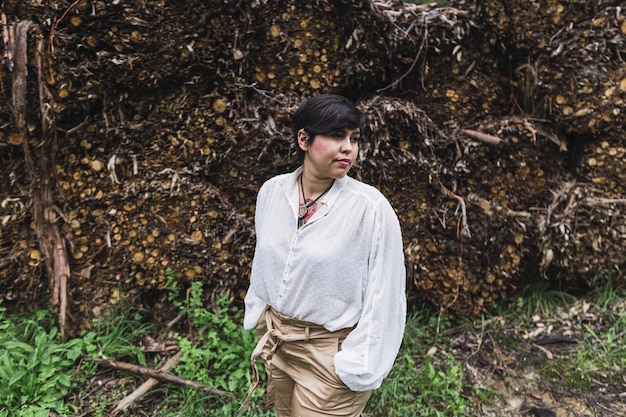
[601, 357]
[606, 291]
[37, 371]
[35, 367]
[218, 356]
[540, 298]
[601, 354]
[432, 386]
[115, 335]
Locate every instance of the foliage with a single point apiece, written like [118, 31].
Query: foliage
[434, 387]
[35, 367]
[37, 371]
[601, 358]
[541, 298]
[602, 354]
[115, 335]
[607, 291]
[218, 358]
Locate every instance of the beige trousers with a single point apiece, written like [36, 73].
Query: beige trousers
[301, 375]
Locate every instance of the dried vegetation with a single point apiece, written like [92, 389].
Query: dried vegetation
[496, 128]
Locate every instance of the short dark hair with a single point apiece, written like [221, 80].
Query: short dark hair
[325, 113]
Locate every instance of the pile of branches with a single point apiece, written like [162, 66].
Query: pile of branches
[490, 129]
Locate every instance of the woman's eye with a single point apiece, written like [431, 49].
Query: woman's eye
[341, 136]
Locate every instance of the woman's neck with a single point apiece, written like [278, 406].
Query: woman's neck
[314, 186]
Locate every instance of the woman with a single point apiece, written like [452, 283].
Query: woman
[327, 287]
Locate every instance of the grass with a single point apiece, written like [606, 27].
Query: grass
[426, 380]
[601, 357]
[540, 298]
[41, 376]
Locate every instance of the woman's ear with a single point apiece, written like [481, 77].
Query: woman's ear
[303, 139]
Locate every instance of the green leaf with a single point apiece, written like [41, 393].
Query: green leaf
[16, 346]
[64, 381]
[16, 376]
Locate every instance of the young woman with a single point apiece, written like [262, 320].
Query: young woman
[327, 288]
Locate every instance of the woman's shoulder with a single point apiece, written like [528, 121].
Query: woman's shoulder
[276, 180]
[371, 198]
[359, 187]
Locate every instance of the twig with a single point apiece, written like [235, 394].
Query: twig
[417, 56]
[534, 130]
[502, 361]
[483, 137]
[461, 231]
[159, 375]
[600, 200]
[505, 211]
[56, 23]
[127, 401]
[456, 296]
[264, 93]
[6, 35]
[555, 340]
[463, 228]
[558, 197]
[175, 320]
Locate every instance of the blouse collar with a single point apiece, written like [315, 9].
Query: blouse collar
[289, 183]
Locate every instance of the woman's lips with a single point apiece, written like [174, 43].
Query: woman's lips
[344, 162]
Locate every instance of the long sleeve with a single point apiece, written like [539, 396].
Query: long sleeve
[254, 307]
[369, 352]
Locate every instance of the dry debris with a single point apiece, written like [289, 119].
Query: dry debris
[495, 127]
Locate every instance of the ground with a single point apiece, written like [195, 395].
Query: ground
[529, 366]
[544, 369]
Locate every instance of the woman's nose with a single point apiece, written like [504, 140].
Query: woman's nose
[346, 144]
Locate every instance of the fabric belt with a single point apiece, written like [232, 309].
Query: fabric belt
[300, 331]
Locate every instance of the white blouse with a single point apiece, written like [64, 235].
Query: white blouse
[342, 267]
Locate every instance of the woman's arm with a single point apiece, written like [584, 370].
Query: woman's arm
[369, 352]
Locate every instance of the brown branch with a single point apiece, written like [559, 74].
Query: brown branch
[159, 375]
[6, 36]
[417, 56]
[56, 23]
[462, 228]
[127, 401]
[505, 211]
[18, 44]
[483, 137]
[558, 198]
[456, 296]
[41, 174]
[534, 130]
[593, 201]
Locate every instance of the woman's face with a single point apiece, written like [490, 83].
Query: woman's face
[330, 155]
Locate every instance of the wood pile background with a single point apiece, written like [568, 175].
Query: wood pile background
[496, 129]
